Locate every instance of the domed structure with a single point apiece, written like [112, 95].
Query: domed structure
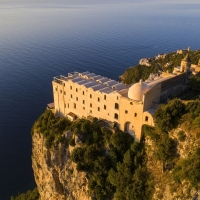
[137, 90]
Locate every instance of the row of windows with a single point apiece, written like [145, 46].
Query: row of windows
[83, 92]
[116, 104]
[115, 116]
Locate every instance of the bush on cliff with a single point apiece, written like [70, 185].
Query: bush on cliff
[114, 163]
[29, 195]
[188, 169]
[168, 115]
[52, 127]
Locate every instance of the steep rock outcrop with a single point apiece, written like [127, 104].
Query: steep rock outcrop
[55, 174]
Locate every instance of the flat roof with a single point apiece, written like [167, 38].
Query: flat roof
[93, 81]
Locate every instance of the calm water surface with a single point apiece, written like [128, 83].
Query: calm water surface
[39, 41]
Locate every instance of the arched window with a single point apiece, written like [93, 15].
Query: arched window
[116, 106]
[116, 116]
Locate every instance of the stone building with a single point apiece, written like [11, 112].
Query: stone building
[129, 107]
[145, 61]
[195, 68]
[185, 64]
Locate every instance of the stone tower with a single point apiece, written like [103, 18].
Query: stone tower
[185, 64]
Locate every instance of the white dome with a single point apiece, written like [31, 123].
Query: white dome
[137, 90]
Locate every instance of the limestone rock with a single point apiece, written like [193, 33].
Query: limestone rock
[55, 174]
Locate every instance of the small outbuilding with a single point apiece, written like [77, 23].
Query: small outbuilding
[50, 106]
[71, 116]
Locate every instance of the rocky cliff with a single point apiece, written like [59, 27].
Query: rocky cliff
[55, 175]
[164, 165]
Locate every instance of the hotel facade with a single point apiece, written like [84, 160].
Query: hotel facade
[129, 107]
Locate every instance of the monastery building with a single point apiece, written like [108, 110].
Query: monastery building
[87, 94]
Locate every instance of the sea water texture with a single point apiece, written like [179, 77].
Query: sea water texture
[40, 40]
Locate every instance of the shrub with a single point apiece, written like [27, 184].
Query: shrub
[72, 142]
[181, 136]
[29, 195]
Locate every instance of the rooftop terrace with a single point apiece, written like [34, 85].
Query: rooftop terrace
[93, 81]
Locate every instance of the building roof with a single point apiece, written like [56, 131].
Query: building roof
[93, 81]
[71, 114]
[50, 105]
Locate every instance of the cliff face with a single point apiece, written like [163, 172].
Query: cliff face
[55, 174]
[165, 186]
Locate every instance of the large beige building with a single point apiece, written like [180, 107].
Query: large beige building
[87, 94]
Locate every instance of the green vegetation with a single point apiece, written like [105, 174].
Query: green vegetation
[52, 127]
[191, 120]
[194, 82]
[168, 117]
[114, 163]
[181, 136]
[188, 169]
[29, 195]
[135, 73]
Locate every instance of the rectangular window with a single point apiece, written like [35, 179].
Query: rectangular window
[135, 114]
[126, 111]
[90, 96]
[90, 105]
[83, 108]
[56, 89]
[76, 98]
[90, 111]
[98, 108]
[70, 87]
[98, 99]
[83, 93]
[61, 91]
[64, 93]
[76, 89]
[146, 119]
[104, 97]
[117, 97]
[71, 95]
[65, 105]
[104, 107]
[74, 105]
[83, 101]
[64, 84]
[68, 105]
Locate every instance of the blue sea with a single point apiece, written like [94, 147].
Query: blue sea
[43, 39]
